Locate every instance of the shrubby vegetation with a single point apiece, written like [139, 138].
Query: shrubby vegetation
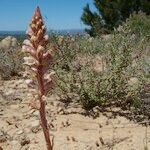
[107, 70]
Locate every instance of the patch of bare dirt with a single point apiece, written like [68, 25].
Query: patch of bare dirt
[71, 127]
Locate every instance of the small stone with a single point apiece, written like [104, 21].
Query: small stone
[31, 111]
[26, 147]
[20, 132]
[100, 126]
[101, 140]
[68, 139]
[96, 109]
[62, 125]
[36, 113]
[60, 111]
[35, 126]
[14, 142]
[3, 136]
[73, 139]
[15, 145]
[119, 121]
[9, 92]
[51, 125]
[29, 95]
[14, 106]
[24, 141]
[1, 148]
[51, 103]
[35, 123]
[97, 144]
[68, 123]
[9, 122]
[107, 122]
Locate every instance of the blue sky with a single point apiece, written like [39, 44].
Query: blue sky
[58, 14]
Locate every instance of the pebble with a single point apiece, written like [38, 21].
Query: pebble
[35, 123]
[3, 137]
[26, 147]
[1, 148]
[15, 145]
[14, 106]
[9, 92]
[20, 132]
[60, 111]
[35, 126]
[24, 141]
[14, 142]
[36, 113]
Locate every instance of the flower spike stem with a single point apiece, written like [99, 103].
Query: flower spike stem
[43, 113]
[38, 63]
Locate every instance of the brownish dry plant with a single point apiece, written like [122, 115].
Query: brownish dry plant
[38, 62]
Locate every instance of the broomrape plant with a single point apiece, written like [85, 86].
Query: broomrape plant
[38, 62]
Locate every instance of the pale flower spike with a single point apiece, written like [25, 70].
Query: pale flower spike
[38, 63]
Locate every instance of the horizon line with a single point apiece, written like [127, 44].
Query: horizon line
[47, 30]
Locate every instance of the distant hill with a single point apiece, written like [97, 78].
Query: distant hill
[71, 31]
[17, 34]
[22, 35]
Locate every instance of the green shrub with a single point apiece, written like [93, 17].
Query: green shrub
[138, 24]
[123, 61]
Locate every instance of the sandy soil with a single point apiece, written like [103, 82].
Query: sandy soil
[71, 128]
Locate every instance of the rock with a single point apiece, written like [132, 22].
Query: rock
[96, 109]
[8, 42]
[68, 139]
[71, 110]
[35, 126]
[109, 142]
[97, 143]
[15, 145]
[3, 136]
[35, 123]
[1, 111]
[66, 123]
[100, 126]
[74, 139]
[9, 92]
[10, 56]
[20, 132]
[107, 123]
[36, 113]
[26, 147]
[24, 140]
[1, 148]
[14, 106]
[60, 111]
[101, 140]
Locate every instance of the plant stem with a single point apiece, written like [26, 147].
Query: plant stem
[44, 125]
[42, 109]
